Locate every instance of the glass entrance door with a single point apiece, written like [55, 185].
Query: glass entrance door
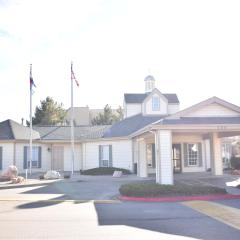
[176, 156]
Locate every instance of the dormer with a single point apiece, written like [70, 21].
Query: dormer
[155, 104]
[151, 102]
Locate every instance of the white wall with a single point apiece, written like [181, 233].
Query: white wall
[7, 155]
[213, 110]
[121, 154]
[133, 109]
[68, 156]
[173, 108]
[147, 106]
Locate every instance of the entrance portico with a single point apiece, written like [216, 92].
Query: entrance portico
[185, 148]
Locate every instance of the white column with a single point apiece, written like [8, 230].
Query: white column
[207, 153]
[164, 166]
[142, 159]
[217, 164]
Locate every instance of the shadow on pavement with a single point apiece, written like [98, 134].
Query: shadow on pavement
[41, 203]
[25, 185]
[169, 218]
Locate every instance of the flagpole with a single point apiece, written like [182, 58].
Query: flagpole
[30, 141]
[72, 115]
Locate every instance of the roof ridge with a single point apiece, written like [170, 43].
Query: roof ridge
[50, 132]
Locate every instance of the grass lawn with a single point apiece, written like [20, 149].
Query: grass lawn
[157, 190]
[104, 171]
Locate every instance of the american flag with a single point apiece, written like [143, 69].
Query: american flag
[73, 76]
[32, 84]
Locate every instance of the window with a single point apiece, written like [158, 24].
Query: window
[155, 103]
[105, 155]
[193, 154]
[35, 157]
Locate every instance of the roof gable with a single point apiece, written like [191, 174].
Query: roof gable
[6, 132]
[212, 107]
[155, 91]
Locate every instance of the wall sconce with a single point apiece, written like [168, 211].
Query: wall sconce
[49, 149]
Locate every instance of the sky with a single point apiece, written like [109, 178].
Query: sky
[192, 48]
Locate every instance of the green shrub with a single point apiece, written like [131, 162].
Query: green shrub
[235, 162]
[156, 190]
[104, 171]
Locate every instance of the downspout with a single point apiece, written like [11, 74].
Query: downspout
[14, 153]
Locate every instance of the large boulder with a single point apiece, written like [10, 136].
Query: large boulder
[10, 173]
[52, 175]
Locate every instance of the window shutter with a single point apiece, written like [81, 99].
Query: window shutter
[39, 157]
[100, 155]
[1, 163]
[110, 156]
[25, 157]
[200, 162]
[185, 154]
[153, 156]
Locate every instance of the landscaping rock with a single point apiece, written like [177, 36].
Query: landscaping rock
[236, 172]
[117, 174]
[52, 175]
[18, 179]
[234, 183]
[10, 173]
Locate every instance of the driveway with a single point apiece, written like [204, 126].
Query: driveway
[82, 187]
[79, 187]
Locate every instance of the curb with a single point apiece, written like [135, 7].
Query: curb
[180, 198]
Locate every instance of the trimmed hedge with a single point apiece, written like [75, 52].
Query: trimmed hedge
[157, 190]
[104, 171]
[235, 162]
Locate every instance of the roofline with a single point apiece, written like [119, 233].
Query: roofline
[218, 127]
[204, 103]
[84, 141]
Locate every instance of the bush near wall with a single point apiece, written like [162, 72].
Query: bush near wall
[235, 162]
[104, 171]
[157, 190]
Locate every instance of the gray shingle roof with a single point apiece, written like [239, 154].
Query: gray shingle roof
[201, 120]
[11, 130]
[130, 125]
[139, 97]
[6, 130]
[81, 133]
